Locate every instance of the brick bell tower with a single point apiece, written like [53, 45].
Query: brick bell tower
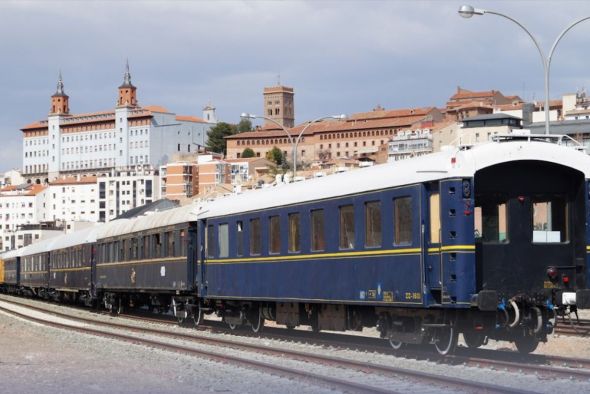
[60, 100]
[127, 92]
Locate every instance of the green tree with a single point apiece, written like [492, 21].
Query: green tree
[275, 155]
[244, 125]
[216, 136]
[248, 152]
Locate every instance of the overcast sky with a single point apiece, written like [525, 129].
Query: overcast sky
[340, 56]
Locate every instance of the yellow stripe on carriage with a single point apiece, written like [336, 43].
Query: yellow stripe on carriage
[368, 253]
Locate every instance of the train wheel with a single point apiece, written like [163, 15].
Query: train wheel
[526, 344]
[473, 340]
[445, 340]
[232, 326]
[396, 345]
[198, 316]
[257, 323]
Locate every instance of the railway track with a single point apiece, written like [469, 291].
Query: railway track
[273, 368]
[575, 327]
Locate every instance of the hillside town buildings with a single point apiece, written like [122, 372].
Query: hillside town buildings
[79, 169]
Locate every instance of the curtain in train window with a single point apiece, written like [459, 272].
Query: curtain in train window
[274, 234]
[373, 224]
[223, 240]
[434, 218]
[294, 233]
[255, 237]
[402, 221]
[550, 220]
[318, 242]
[346, 227]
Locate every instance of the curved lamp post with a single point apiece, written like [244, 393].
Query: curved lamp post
[294, 141]
[467, 11]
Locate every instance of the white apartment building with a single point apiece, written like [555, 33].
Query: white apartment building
[120, 191]
[19, 208]
[70, 199]
[409, 143]
[127, 136]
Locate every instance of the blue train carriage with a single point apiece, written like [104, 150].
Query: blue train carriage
[10, 281]
[71, 268]
[489, 242]
[148, 261]
[34, 269]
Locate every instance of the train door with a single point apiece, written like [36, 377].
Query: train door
[201, 266]
[93, 260]
[192, 254]
[432, 244]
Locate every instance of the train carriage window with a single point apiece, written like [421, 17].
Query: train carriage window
[491, 222]
[255, 237]
[346, 227]
[402, 221]
[294, 233]
[223, 240]
[157, 245]
[373, 230]
[550, 220]
[239, 238]
[183, 242]
[146, 247]
[171, 244]
[121, 250]
[434, 218]
[318, 240]
[210, 242]
[274, 235]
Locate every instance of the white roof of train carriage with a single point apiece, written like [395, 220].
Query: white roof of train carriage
[405, 172]
[62, 241]
[160, 219]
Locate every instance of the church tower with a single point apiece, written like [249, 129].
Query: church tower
[127, 92]
[60, 100]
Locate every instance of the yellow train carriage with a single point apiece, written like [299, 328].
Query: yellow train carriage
[1, 271]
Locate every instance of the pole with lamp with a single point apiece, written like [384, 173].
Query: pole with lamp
[294, 141]
[467, 11]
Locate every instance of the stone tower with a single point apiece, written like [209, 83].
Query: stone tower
[127, 92]
[60, 100]
[279, 105]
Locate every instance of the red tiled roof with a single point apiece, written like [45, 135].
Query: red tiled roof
[333, 126]
[391, 113]
[466, 94]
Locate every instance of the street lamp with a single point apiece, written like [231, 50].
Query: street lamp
[467, 11]
[294, 141]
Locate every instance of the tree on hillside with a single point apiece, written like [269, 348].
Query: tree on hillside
[275, 155]
[244, 125]
[216, 136]
[248, 152]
